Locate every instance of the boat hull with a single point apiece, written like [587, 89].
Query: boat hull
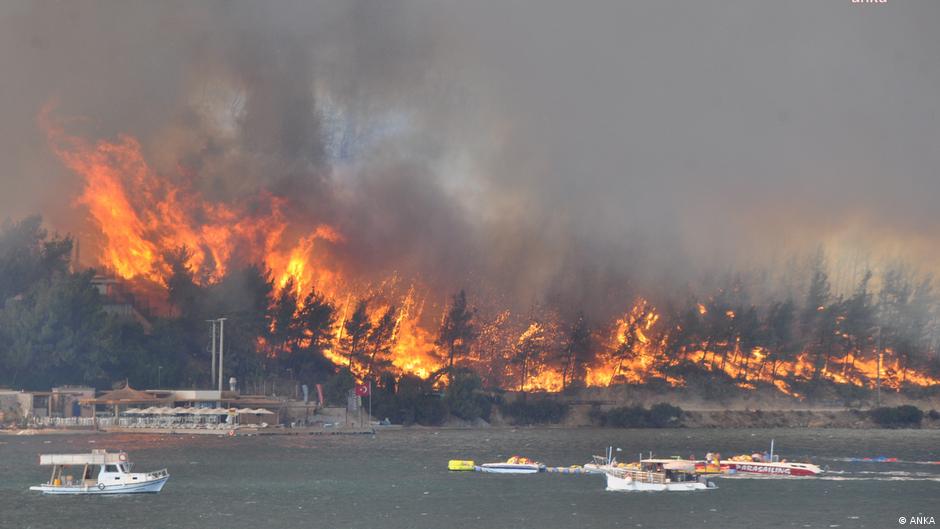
[509, 468]
[771, 469]
[618, 484]
[152, 486]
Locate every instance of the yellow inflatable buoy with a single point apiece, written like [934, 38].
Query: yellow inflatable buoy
[456, 464]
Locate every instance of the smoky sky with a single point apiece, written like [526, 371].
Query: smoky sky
[562, 152]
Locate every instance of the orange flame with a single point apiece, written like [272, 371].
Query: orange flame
[142, 216]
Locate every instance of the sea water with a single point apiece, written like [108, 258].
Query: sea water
[399, 479]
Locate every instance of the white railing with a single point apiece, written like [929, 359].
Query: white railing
[65, 422]
[209, 422]
[642, 476]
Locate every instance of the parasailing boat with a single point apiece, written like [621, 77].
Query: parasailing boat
[748, 465]
[767, 464]
[102, 472]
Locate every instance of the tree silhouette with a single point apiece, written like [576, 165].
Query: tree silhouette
[458, 330]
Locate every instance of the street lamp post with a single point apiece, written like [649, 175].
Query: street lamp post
[212, 377]
[159, 373]
[221, 351]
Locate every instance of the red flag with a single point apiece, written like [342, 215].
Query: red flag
[363, 390]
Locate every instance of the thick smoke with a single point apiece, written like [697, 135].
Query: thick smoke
[567, 153]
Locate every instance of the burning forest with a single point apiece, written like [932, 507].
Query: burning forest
[299, 312]
[361, 210]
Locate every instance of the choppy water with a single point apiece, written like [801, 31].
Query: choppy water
[399, 480]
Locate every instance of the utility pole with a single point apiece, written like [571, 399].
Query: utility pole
[212, 322]
[880, 357]
[221, 351]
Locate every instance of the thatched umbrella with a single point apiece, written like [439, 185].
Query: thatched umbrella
[125, 396]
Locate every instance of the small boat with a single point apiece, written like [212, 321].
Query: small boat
[670, 475]
[739, 465]
[513, 465]
[102, 472]
[767, 464]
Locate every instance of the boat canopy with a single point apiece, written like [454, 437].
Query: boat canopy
[684, 466]
[96, 457]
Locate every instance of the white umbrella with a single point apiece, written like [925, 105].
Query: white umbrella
[262, 411]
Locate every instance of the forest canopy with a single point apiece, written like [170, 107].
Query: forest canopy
[57, 326]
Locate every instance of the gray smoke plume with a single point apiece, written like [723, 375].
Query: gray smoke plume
[570, 153]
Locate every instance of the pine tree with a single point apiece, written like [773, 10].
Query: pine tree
[357, 329]
[458, 330]
[576, 353]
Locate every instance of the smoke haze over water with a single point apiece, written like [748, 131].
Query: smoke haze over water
[550, 151]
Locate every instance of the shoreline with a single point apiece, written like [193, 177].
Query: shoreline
[242, 432]
[700, 419]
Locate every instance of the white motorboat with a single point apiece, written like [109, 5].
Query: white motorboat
[513, 465]
[101, 472]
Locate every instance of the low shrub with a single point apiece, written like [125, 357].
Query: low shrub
[337, 387]
[430, 410]
[464, 397]
[627, 417]
[408, 400]
[905, 416]
[662, 415]
[537, 411]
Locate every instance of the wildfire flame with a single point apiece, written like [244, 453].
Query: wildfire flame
[142, 216]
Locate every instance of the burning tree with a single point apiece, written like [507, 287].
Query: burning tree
[458, 330]
[379, 344]
[357, 328]
[576, 352]
[529, 352]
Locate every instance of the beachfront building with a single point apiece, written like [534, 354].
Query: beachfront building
[78, 406]
[66, 402]
[62, 403]
[184, 408]
[14, 405]
[122, 399]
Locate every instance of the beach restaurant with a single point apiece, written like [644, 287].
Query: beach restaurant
[186, 408]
